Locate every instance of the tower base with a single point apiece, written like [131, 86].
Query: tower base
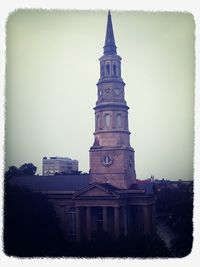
[112, 165]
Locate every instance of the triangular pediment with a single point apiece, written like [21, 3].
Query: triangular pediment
[95, 190]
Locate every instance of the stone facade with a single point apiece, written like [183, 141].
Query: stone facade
[116, 169]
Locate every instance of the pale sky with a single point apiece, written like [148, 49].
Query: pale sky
[51, 75]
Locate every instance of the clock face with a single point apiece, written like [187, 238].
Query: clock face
[117, 91]
[107, 160]
[107, 91]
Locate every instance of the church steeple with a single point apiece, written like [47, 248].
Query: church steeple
[111, 156]
[110, 62]
[110, 47]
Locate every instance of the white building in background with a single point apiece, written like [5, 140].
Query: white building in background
[58, 165]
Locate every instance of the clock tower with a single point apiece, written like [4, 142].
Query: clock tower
[111, 156]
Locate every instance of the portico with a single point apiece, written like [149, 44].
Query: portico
[99, 209]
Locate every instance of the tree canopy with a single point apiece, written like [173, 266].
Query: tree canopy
[31, 227]
[25, 169]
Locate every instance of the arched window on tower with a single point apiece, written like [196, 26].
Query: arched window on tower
[107, 120]
[118, 121]
[126, 123]
[102, 69]
[114, 70]
[97, 122]
[107, 69]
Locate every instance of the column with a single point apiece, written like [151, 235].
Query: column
[153, 219]
[62, 215]
[113, 120]
[116, 221]
[146, 219]
[88, 223]
[78, 223]
[125, 220]
[64, 219]
[105, 219]
[62, 212]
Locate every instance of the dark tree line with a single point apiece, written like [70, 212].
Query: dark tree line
[137, 245]
[176, 207]
[31, 227]
[25, 169]
[30, 224]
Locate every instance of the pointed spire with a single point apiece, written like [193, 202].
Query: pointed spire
[109, 47]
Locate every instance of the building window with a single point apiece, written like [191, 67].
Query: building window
[114, 70]
[98, 122]
[126, 123]
[102, 70]
[107, 69]
[118, 121]
[107, 120]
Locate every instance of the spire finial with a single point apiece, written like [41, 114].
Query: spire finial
[109, 47]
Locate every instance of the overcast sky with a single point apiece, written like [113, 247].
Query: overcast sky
[51, 75]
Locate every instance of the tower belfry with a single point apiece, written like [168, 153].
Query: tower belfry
[111, 156]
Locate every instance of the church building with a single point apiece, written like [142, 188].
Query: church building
[109, 199]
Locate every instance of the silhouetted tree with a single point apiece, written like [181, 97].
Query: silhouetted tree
[181, 220]
[11, 172]
[76, 172]
[25, 169]
[104, 245]
[30, 224]
[177, 207]
[28, 169]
